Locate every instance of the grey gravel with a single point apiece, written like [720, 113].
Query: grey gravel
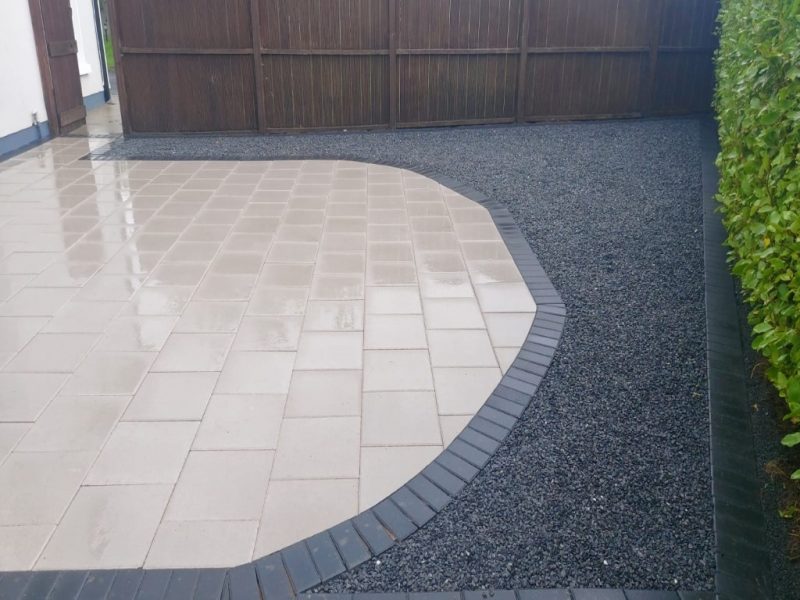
[605, 482]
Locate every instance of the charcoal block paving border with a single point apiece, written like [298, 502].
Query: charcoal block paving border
[742, 570]
[742, 559]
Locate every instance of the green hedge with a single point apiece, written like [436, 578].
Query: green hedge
[758, 110]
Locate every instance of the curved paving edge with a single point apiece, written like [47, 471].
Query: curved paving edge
[310, 562]
[742, 560]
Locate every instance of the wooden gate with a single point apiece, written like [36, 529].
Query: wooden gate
[57, 52]
[288, 65]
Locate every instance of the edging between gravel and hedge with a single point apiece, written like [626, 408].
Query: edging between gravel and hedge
[742, 560]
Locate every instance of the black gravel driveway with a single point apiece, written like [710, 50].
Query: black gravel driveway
[605, 482]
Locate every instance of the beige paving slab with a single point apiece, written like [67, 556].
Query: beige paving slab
[256, 373]
[329, 350]
[22, 545]
[400, 419]
[110, 373]
[383, 468]
[202, 544]
[84, 317]
[274, 333]
[461, 348]
[321, 393]
[461, 391]
[172, 397]
[211, 317]
[24, 501]
[295, 510]
[53, 353]
[16, 332]
[241, 422]
[393, 300]
[318, 448]
[143, 452]
[452, 425]
[10, 435]
[106, 527]
[137, 334]
[23, 396]
[394, 332]
[74, 424]
[334, 315]
[187, 352]
[203, 492]
[397, 370]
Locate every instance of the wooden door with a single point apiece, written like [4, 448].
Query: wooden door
[58, 62]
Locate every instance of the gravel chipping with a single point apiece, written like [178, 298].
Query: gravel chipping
[605, 481]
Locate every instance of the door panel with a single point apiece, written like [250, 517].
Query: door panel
[55, 26]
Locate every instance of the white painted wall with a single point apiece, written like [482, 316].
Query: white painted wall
[20, 83]
[88, 52]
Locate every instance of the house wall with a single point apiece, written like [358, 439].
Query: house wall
[20, 81]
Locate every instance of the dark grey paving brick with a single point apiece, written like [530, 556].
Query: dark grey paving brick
[457, 465]
[210, 584]
[39, 585]
[443, 478]
[490, 595]
[429, 492]
[243, 583]
[126, 584]
[301, 568]
[411, 505]
[182, 584]
[597, 594]
[372, 532]
[273, 580]
[351, 547]
[97, 585]
[325, 556]
[650, 595]
[394, 520]
[68, 585]
[154, 584]
[544, 595]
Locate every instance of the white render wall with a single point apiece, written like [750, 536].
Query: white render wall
[20, 82]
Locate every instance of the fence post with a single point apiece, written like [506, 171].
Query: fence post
[258, 66]
[523, 60]
[655, 39]
[393, 91]
[116, 44]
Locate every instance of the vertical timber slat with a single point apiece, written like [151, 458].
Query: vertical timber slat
[658, 7]
[258, 66]
[394, 98]
[523, 60]
[117, 43]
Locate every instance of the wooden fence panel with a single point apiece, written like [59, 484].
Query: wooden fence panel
[198, 24]
[191, 93]
[306, 92]
[277, 65]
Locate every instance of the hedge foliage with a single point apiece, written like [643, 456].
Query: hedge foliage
[758, 112]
